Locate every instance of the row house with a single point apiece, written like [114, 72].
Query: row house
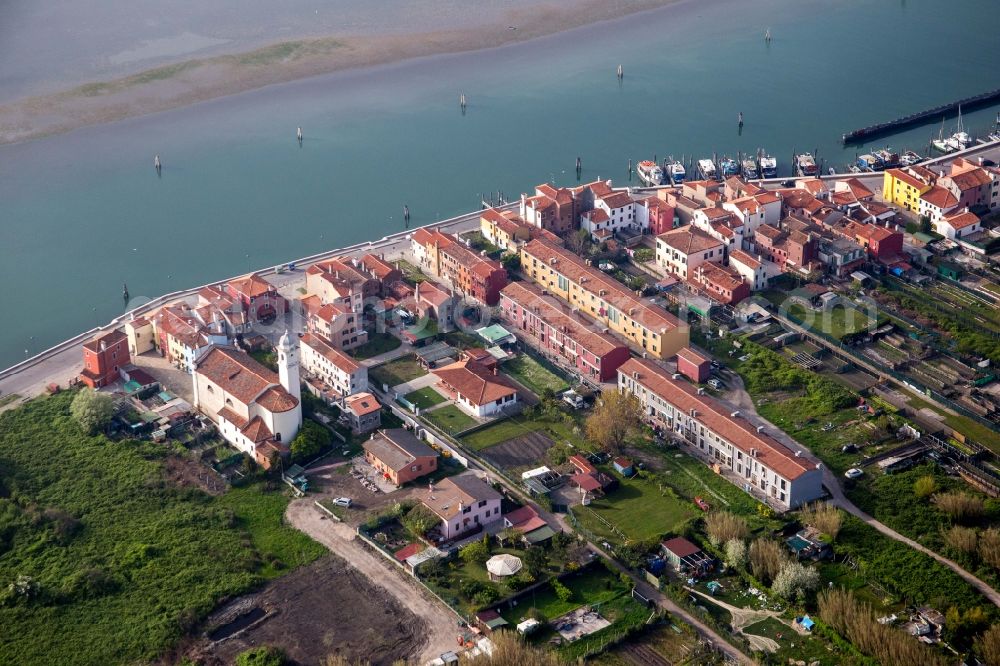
[473, 274]
[380, 270]
[800, 202]
[340, 374]
[504, 229]
[436, 303]
[553, 209]
[754, 271]
[595, 355]
[684, 207]
[340, 281]
[753, 211]
[841, 255]
[721, 224]
[904, 187]
[103, 358]
[720, 283]
[972, 185]
[958, 224]
[735, 187]
[787, 478]
[258, 298]
[708, 193]
[655, 216]
[849, 193]
[598, 296]
[937, 202]
[620, 211]
[882, 244]
[222, 305]
[182, 334]
[335, 322]
[680, 251]
[788, 249]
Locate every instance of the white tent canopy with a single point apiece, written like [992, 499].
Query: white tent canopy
[503, 565]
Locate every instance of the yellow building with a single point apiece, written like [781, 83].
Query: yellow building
[903, 187]
[141, 337]
[598, 296]
[502, 231]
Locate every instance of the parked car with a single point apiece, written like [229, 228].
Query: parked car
[574, 399]
[702, 504]
[853, 473]
[715, 383]
[343, 501]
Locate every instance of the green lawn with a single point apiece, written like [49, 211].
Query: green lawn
[450, 419]
[125, 563]
[411, 273]
[399, 371]
[515, 426]
[793, 646]
[534, 375]
[592, 586]
[378, 343]
[425, 397]
[835, 322]
[638, 509]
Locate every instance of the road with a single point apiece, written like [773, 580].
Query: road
[441, 622]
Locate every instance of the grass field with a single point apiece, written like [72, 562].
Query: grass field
[534, 375]
[378, 343]
[451, 419]
[794, 647]
[425, 397]
[835, 322]
[399, 371]
[592, 586]
[516, 426]
[639, 509]
[123, 562]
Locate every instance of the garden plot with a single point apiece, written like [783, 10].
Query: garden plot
[524, 451]
[579, 623]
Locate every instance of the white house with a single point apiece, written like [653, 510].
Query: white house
[475, 389]
[681, 251]
[958, 224]
[937, 202]
[754, 271]
[463, 503]
[340, 372]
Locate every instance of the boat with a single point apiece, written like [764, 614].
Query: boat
[960, 140]
[867, 163]
[768, 166]
[650, 173]
[909, 158]
[706, 169]
[941, 144]
[805, 165]
[995, 134]
[749, 168]
[676, 172]
[728, 167]
[889, 159]
[854, 168]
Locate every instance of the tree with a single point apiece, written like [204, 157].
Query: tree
[508, 535]
[795, 580]
[92, 410]
[960, 506]
[925, 486]
[616, 418]
[925, 224]
[766, 559]
[723, 527]
[310, 441]
[511, 262]
[577, 241]
[264, 655]
[535, 560]
[562, 592]
[736, 554]
[476, 552]
[419, 520]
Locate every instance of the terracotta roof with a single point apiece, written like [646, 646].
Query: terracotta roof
[599, 188]
[573, 267]
[110, 338]
[582, 464]
[257, 431]
[397, 448]
[798, 198]
[448, 494]
[873, 232]
[252, 285]
[716, 417]
[236, 373]
[961, 219]
[362, 404]
[768, 231]
[431, 292]
[597, 215]
[971, 179]
[744, 258]
[689, 240]
[530, 298]
[616, 200]
[858, 188]
[525, 519]
[691, 356]
[715, 214]
[339, 359]
[907, 178]
[233, 417]
[276, 400]
[681, 547]
[719, 276]
[939, 197]
[561, 195]
[377, 266]
[474, 382]
[586, 482]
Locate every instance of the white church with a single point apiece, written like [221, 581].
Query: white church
[256, 410]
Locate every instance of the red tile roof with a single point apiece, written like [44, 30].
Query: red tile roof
[362, 404]
[257, 431]
[681, 547]
[939, 197]
[744, 258]
[110, 338]
[252, 285]
[716, 417]
[236, 373]
[339, 359]
[276, 400]
[689, 240]
[475, 383]
[961, 219]
[691, 356]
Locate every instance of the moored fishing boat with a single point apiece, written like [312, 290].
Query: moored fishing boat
[707, 170]
[805, 165]
[650, 173]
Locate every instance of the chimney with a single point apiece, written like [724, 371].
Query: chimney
[676, 375]
[735, 414]
[798, 454]
[461, 507]
[760, 428]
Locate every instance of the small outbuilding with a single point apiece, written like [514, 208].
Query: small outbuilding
[686, 557]
[693, 365]
[623, 466]
[503, 566]
[490, 620]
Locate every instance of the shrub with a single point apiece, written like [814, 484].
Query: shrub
[960, 506]
[92, 410]
[723, 526]
[925, 486]
[766, 559]
[795, 580]
[419, 520]
[476, 552]
[311, 440]
[988, 646]
[824, 517]
[989, 547]
[962, 539]
[736, 553]
[261, 656]
[562, 592]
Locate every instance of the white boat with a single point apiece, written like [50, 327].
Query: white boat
[749, 169]
[676, 171]
[909, 158]
[768, 166]
[941, 144]
[960, 140]
[707, 170]
[650, 173]
[805, 165]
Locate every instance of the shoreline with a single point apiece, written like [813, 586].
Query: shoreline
[197, 80]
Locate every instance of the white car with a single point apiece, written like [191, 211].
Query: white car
[853, 473]
[343, 501]
[714, 383]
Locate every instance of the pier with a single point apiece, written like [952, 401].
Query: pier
[929, 115]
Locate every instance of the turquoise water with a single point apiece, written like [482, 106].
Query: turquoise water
[83, 212]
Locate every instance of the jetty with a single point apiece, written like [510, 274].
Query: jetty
[872, 131]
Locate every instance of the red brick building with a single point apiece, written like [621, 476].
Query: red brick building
[399, 456]
[595, 355]
[720, 283]
[693, 365]
[261, 300]
[882, 244]
[102, 357]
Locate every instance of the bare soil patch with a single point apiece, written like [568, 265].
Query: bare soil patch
[523, 451]
[328, 607]
[186, 473]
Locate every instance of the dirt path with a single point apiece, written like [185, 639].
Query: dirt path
[743, 617]
[341, 539]
[738, 395]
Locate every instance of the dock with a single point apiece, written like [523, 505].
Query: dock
[929, 115]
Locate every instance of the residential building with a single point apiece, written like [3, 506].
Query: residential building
[596, 356]
[256, 410]
[600, 297]
[103, 358]
[342, 375]
[904, 187]
[258, 298]
[693, 365]
[552, 209]
[379, 269]
[336, 322]
[141, 336]
[620, 211]
[464, 504]
[434, 302]
[958, 224]
[589, 479]
[504, 229]
[755, 210]
[970, 184]
[788, 479]
[339, 282]
[182, 334]
[399, 456]
[476, 390]
[797, 201]
[884, 245]
[753, 271]
[472, 274]
[364, 412]
[937, 202]
[840, 254]
[682, 250]
[788, 249]
[721, 224]
[720, 283]
[684, 207]
[654, 215]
